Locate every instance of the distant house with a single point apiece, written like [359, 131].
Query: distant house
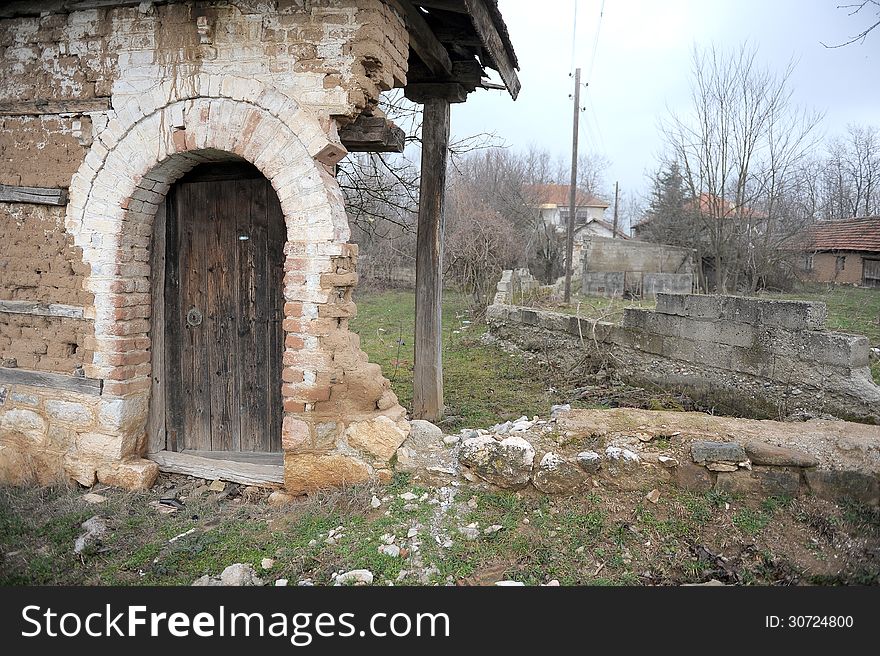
[845, 252]
[553, 202]
[705, 205]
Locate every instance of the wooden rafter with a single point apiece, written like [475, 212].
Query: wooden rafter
[493, 44]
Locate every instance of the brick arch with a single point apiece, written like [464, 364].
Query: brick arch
[113, 200]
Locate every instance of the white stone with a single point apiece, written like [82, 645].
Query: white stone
[354, 577]
[19, 420]
[389, 550]
[267, 563]
[69, 412]
[510, 583]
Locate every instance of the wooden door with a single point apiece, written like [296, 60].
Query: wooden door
[223, 293]
[870, 272]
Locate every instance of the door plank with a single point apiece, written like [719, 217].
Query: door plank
[277, 231]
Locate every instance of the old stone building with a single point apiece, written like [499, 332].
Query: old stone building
[175, 274]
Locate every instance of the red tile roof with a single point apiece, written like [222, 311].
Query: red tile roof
[557, 194]
[848, 235]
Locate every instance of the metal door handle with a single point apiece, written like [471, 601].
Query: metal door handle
[193, 317]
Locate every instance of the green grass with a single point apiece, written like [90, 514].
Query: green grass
[482, 384]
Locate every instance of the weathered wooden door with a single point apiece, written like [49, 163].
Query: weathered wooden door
[870, 273]
[223, 293]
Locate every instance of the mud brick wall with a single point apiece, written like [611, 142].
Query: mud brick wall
[749, 357]
[141, 94]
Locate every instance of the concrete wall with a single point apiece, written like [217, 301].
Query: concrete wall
[513, 285]
[613, 267]
[750, 357]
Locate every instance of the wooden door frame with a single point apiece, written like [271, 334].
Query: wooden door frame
[263, 469]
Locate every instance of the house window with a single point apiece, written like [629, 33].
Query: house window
[839, 263]
[807, 262]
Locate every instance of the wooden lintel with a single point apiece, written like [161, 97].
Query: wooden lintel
[42, 309]
[372, 134]
[493, 44]
[422, 92]
[38, 195]
[428, 360]
[422, 40]
[37, 107]
[248, 473]
[14, 376]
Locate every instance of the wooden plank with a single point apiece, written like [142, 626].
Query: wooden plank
[428, 362]
[173, 374]
[493, 44]
[254, 457]
[372, 134]
[275, 274]
[42, 309]
[156, 416]
[66, 106]
[422, 92]
[30, 8]
[36, 195]
[247, 473]
[195, 209]
[422, 40]
[15, 376]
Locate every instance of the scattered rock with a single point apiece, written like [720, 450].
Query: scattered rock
[510, 583]
[305, 583]
[552, 583]
[412, 532]
[278, 498]
[589, 461]
[281, 583]
[721, 467]
[206, 580]
[450, 440]
[422, 431]
[240, 574]
[761, 453]
[491, 530]
[375, 502]
[556, 475]
[667, 463]
[469, 533]
[408, 496]
[710, 582]
[507, 464]
[163, 508]
[267, 563]
[704, 451]
[95, 529]
[558, 409]
[354, 577]
[390, 550]
[644, 437]
[653, 496]
[91, 497]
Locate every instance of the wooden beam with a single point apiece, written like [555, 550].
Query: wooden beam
[455, 6]
[422, 92]
[70, 106]
[428, 361]
[493, 44]
[90, 386]
[372, 134]
[42, 309]
[422, 40]
[38, 195]
[248, 473]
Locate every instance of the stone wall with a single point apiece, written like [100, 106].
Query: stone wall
[514, 285]
[744, 356]
[141, 95]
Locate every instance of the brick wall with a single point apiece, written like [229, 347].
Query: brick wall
[171, 86]
[825, 268]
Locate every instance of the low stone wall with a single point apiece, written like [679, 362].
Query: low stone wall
[743, 356]
[513, 285]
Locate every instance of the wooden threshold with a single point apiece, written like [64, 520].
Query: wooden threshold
[237, 467]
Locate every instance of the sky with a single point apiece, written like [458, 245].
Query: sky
[641, 71]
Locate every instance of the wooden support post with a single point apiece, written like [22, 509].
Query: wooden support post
[428, 362]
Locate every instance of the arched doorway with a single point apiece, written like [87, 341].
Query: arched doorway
[222, 307]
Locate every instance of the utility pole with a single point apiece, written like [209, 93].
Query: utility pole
[572, 192]
[616, 192]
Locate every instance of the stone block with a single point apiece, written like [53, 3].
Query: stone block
[380, 437]
[836, 485]
[706, 451]
[137, 474]
[307, 472]
[761, 453]
[693, 478]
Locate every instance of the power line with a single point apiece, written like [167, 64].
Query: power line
[595, 42]
[574, 23]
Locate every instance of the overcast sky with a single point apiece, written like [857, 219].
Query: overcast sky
[642, 66]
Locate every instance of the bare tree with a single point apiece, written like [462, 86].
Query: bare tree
[872, 25]
[738, 147]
